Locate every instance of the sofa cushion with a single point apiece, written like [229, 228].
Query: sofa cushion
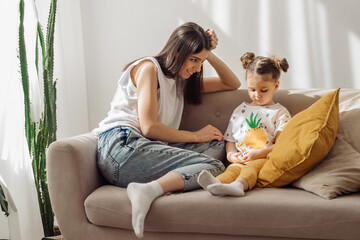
[304, 142]
[276, 212]
[338, 174]
[349, 128]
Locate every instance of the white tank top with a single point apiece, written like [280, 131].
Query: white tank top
[124, 112]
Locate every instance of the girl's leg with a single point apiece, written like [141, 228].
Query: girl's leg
[225, 183]
[231, 173]
[246, 180]
[205, 179]
[251, 171]
[235, 189]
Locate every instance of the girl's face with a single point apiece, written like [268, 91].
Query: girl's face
[193, 64]
[261, 88]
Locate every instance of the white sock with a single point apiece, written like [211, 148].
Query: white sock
[235, 189]
[205, 179]
[141, 195]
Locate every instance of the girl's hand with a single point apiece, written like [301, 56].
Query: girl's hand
[213, 38]
[253, 154]
[208, 133]
[234, 157]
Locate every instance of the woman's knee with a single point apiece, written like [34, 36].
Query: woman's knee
[216, 149]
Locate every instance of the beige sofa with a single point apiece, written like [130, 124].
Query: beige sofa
[88, 208]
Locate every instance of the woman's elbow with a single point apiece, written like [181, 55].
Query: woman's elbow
[147, 130]
[237, 84]
[234, 84]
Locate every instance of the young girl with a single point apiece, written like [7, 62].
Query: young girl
[145, 115]
[252, 130]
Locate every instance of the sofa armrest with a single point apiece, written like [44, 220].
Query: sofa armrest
[72, 175]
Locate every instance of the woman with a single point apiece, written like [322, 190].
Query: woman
[140, 146]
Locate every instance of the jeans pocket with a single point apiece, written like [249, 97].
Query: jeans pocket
[112, 153]
[109, 163]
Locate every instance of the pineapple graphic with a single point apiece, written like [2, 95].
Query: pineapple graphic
[255, 138]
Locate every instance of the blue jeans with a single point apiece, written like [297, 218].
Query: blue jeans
[125, 156]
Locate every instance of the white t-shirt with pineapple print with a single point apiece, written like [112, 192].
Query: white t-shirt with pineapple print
[255, 127]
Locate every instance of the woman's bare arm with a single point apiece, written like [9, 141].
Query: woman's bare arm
[226, 79]
[145, 79]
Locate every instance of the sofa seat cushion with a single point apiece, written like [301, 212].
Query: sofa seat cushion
[277, 212]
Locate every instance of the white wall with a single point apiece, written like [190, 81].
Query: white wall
[69, 66]
[72, 111]
[319, 38]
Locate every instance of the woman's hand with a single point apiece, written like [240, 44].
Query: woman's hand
[213, 38]
[208, 133]
[226, 79]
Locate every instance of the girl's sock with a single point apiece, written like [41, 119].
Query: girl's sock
[235, 189]
[141, 195]
[205, 179]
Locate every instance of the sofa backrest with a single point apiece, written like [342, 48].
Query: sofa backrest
[217, 108]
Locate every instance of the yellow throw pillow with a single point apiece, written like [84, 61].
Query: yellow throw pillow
[303, 143]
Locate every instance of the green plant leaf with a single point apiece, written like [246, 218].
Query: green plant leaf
[3, 202]
[24, 73]
[39, 140]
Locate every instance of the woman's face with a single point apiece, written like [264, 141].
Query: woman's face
[193, 64]
[261, 88]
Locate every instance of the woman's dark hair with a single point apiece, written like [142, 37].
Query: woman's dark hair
[187, 39]
[264, 65]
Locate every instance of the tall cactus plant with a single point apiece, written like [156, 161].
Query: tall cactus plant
[40, 134]
[3, 202]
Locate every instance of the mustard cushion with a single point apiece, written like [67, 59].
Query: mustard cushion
[303, 143]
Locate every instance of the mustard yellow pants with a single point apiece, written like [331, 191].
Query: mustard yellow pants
[249, 172]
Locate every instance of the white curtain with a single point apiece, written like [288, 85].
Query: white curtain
[24, 221]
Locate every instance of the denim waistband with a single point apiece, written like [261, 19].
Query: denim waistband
[119, 127]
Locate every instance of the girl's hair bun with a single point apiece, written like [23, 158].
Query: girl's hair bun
[264, 65]
[283, 64]
[246, 59]
[280, 63]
